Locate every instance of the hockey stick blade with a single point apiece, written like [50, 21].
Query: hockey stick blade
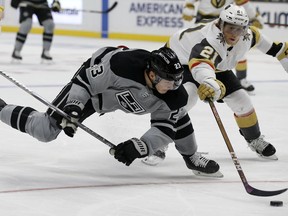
[93, 11]
[249, 189]
[59, 111]
[256, 192]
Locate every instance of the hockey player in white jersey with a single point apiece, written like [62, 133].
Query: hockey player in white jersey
[210, 52]
[202, 10]
[134, 81]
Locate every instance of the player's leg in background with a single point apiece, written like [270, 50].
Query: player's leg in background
[21, 36]
[241, 73]
[46, 20]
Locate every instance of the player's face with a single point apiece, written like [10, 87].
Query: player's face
[232, 33]
[165, 85]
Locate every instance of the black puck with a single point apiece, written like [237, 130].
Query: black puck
[276, 203]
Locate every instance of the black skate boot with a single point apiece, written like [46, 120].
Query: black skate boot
[2, 104]
[16, 56]
[263, 148]
[202, 166]
[246, 85]
[46, 57]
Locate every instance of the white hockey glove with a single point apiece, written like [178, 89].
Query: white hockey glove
[211, 89]
[56, 6]
[283, 57]
[257, 21]
[74, 110]
[126, 152]
[188, 12]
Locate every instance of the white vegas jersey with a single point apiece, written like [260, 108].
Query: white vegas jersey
[210, 9]
[205, 44]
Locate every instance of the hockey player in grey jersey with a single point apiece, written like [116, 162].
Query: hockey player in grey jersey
[134, 81]
[43, 12]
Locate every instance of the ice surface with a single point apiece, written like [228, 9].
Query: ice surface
[78, 177]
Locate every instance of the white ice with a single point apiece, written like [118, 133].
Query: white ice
[78, 177]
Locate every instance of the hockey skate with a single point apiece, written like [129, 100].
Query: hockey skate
[46, 57]
[2, 104]
[16, 56]
[202, 166]
[155, 159]
[246, 85]
[263, 148]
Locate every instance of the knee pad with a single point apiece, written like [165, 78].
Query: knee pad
[48, 26]
[42, 127]
[239, 102]
[25, 26]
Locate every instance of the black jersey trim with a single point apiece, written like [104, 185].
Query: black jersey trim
[274, 49]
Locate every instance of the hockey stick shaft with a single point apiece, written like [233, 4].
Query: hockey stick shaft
[57, 110]
[228, 143]
[92, 11]
[277, 24]
[249, 189]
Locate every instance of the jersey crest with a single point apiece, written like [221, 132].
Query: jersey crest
[246, 37]
[221, 39]
[218, 3]
[129, 103]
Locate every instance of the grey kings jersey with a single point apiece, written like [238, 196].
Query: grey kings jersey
[113, 79]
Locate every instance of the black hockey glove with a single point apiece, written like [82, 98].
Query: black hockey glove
[129, 150]
[74, 110]
[56, 6]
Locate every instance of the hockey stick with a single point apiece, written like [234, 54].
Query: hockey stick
[93, 11]
[276, 24]
[249, 189]
[57, 110]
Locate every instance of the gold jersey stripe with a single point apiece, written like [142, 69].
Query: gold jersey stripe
[193, 62]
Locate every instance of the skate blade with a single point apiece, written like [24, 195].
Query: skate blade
[16, 61]
[217, 174]
[272, 157]
[251, 93]
[47, 62]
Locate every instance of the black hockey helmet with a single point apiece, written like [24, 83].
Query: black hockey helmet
[165, 63]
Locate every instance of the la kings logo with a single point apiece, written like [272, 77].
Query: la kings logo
[128, 102]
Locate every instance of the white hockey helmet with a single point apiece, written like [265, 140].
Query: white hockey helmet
[235, 15]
